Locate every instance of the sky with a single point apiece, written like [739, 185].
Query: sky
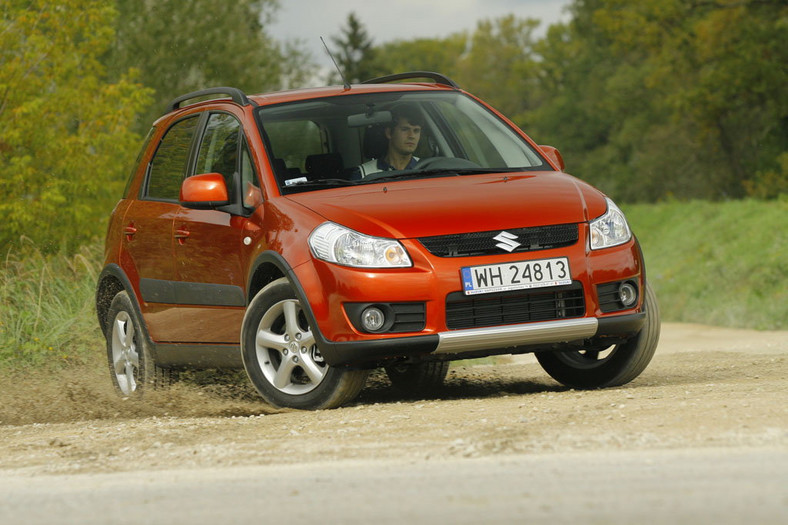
[386, 20]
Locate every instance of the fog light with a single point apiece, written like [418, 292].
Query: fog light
[627, 294]
[372, 319]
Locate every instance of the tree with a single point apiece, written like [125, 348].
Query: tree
[356, 57]
[180, 47]
[421, 54]
[65, 139]
[499, 64]
[653, 98]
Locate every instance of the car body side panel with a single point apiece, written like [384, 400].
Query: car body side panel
[209, 250]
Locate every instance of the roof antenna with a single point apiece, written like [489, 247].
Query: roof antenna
[341, 74]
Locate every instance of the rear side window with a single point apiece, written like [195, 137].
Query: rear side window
[169, 163]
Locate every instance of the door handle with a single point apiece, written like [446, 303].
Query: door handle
[129, 231]
[182, 234]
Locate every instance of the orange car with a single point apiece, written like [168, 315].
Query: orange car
[310, 236]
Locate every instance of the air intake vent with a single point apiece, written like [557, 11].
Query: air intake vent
[546, 304]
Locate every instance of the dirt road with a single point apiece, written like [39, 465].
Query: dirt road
[702, 435]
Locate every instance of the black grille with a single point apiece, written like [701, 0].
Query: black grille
[483, 243]
[545, 304]
[408, 317]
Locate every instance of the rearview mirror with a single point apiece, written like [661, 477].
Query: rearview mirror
[208, 190]
[554, 155]
[369, 119]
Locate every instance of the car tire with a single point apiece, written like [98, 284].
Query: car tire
[618, 365]
[281, 356]
[418, 378]
[131, 364]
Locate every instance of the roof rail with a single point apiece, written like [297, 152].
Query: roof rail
[237, 96]
[412, 75]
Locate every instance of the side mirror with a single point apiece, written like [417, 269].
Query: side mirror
[253, 196]
[208, 190]
[554, 155]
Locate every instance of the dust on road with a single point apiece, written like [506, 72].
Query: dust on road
[706, 387]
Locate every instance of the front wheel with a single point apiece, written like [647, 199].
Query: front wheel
[613, 366]
[282, 359]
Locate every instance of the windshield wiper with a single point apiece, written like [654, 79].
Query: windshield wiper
[306, 185]
[440, 171]
[322, 182]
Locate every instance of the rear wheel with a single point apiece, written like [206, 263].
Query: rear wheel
[612, 366]
[131, 364]
[418, 378]
[282, 359]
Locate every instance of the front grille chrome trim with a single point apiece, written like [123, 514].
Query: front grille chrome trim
[458, 341]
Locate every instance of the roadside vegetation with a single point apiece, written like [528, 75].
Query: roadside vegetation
[718, 263]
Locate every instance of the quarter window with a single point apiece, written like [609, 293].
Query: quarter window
[219, 148]
[168, 166]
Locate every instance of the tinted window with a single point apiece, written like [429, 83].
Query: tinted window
[169, 164]
[219, 148]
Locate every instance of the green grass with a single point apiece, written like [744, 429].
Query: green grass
[715, 263]
[722, 263]
[47, 312]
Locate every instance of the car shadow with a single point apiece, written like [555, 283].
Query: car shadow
[457, 386]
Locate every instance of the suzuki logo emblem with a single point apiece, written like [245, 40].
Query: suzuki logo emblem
[506, 241]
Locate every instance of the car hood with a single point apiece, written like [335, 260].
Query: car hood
[457, 204]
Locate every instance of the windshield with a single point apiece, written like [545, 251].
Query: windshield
[363, 139]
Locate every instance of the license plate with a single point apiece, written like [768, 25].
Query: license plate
[516, 276]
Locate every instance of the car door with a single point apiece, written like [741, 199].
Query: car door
[209, 243]
[148, 229]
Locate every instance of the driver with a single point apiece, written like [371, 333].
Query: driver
[403, 136]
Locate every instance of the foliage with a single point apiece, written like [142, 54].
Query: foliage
[500, 65]
[496, 61]
[47, 311]
[177, 52]
[357, 56]
[65, 142]
[673, 97]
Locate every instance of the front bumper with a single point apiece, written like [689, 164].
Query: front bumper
[456, 344]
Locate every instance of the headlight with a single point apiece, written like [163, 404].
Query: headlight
[611, 229]
[337, 244]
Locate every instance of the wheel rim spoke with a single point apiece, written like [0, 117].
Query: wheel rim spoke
[132, 384]
[268, 339]
[592, 355]
[307, 339]
[312, 369]
[284, 374]
[119, 365]
[120, 331]
[291, 318]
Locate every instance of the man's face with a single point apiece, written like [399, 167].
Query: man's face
[404, 137]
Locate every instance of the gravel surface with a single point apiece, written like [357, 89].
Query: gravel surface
[708, 393]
